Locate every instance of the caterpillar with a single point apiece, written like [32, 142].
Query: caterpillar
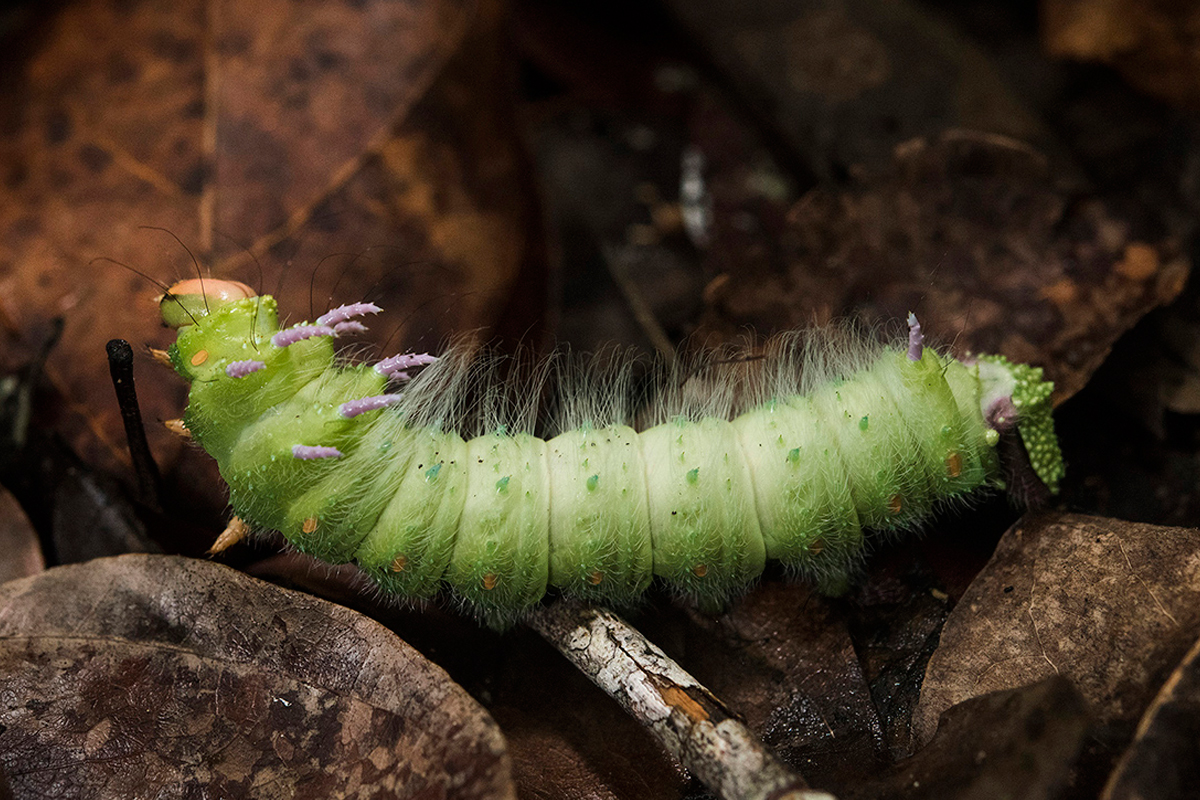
[428, 472]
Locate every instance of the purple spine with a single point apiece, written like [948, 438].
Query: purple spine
[306, 452]
[395, 366]
[348, 311]
[353, 408]
[299, 334]
[240, 369]
[916, 339]
[353, 326]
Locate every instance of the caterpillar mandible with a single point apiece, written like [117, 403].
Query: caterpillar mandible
[788, 456]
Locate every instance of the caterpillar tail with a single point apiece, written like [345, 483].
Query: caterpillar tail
[789, 457]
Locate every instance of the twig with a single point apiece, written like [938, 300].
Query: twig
[689, 720]
[120, 367]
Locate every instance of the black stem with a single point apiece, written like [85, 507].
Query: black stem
[120, 367]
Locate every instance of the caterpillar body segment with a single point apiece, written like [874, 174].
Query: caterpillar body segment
[790, 460]
[600, 539]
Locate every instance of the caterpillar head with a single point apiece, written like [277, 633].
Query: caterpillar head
[1015, 397]
[219, 322]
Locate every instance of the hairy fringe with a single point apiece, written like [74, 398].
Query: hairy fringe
[474, 389]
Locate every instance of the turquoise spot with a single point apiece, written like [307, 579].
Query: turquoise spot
[693, 475]
[794, 455]
[502, 484]
[432, 473]
[593, 482]
[863, 423]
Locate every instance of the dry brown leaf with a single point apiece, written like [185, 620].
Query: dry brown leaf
[976, 235]
[1110, 605]
[374, 135]
[127, 677]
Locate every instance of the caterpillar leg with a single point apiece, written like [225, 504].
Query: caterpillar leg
[236, 531]
[179, 428]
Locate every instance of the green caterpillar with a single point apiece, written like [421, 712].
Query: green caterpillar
[788, 456]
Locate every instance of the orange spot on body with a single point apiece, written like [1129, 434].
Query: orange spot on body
[816, 546]
[199, 358]
[399, 563]
[489, 581]
[700, 570]
[895, 504]
[595, 578]
[954, 464]
[309, 525]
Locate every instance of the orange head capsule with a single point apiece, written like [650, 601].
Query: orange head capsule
[192, 298]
